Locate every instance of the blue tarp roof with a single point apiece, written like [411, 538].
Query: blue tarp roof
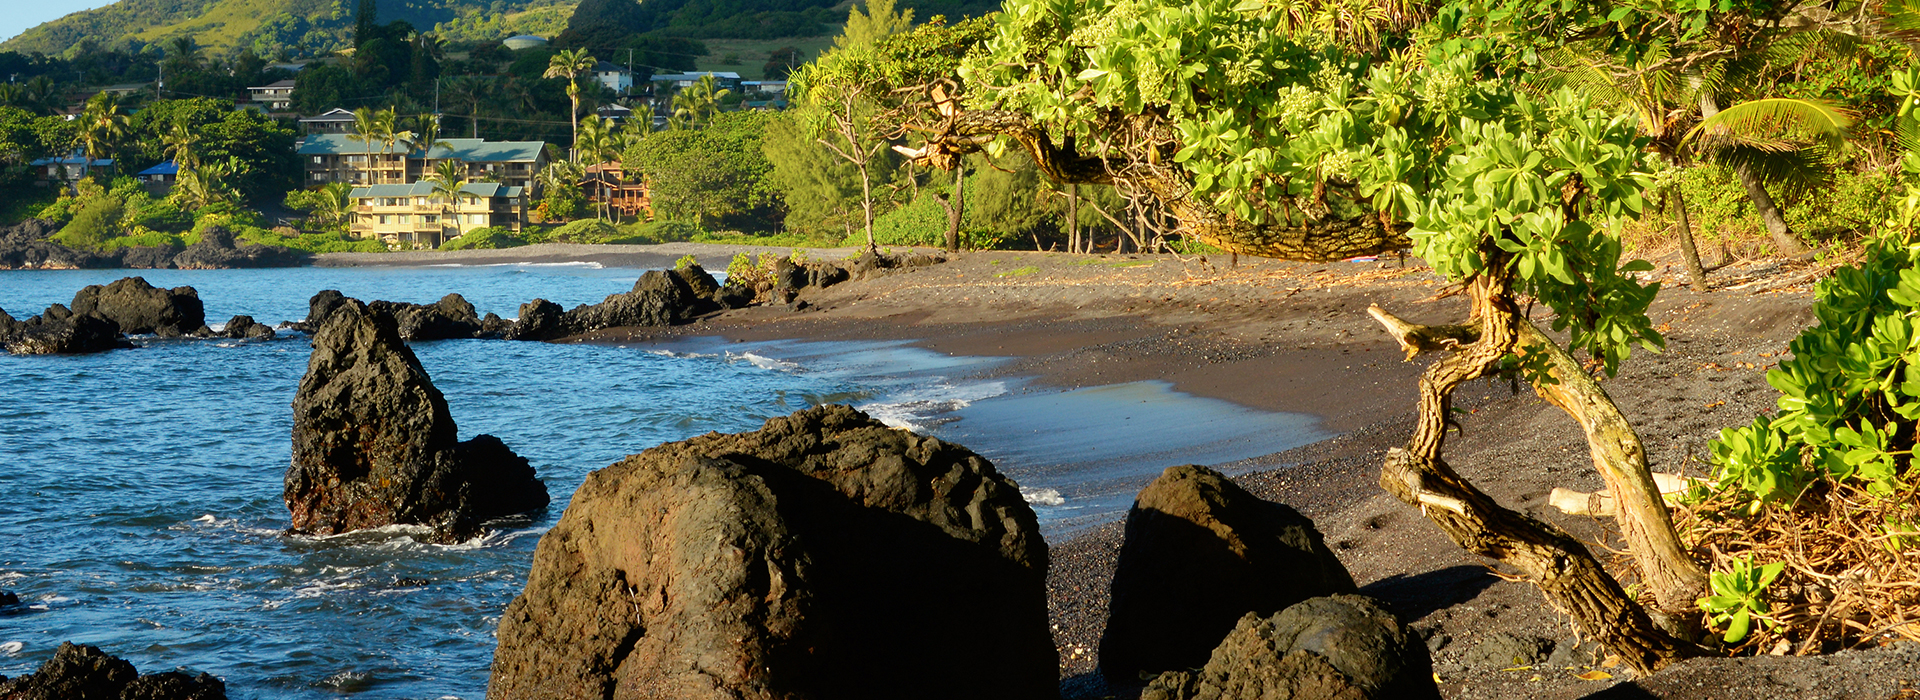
[167, 168]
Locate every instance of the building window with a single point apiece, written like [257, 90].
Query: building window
[318, 160]
[402, 218]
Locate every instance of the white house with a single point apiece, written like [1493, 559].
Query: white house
[616, 78]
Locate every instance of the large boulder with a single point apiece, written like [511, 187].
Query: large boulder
[1200, 552]
[374, 443]
[25, 246]
[450, 317]
[824, 556]
[1342, 647]
[60, 332]
[244, 327]
[141, 308]
[539, 320]
[85, 673]
[217, 249]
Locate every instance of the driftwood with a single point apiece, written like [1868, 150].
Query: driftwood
[1600, 503]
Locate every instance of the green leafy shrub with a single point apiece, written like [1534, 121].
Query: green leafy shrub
[584, 231]
[139, 237]
[93, 225]
[484, 238]
[1737, 599]
[685, 262]
[657, 232]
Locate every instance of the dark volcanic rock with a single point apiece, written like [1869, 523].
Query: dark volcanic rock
[1507, 650]
[24, 246]
[1200, 552]
[823, 556]
[1342, 647]
[733, 296]
[698, 281]
[658, 298]
[139, 307]
[319, 306]
[450, 317]
[60, 332]
[217, 249]
[85, 673]
[246, 327]
[374, 444]
[539, 320]
[8, 598]
[149, 257]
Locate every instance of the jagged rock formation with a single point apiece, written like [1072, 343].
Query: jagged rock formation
[374, 443]
[658, 298]
[141, 308]
[1342, 647]
[28, 246]
[1199, 553]
[85, 673]
[217, 249]
[244, 327]
[825, 555]
[59, 332]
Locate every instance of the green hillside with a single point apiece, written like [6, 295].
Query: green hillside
[267, 26]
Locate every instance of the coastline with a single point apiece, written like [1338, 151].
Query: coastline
[711, 255]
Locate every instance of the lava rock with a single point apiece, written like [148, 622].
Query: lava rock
[1341, 647]
[374, 443]
[539, 320]
[1573, 653]
[825, 555]
[1200, 552]
[141, 308]
[733, 296]
[492, 326]
[450, 317]
[9, 598]
[1507, 650]
[658, 298]
[217, 249]
[698, 281]
[149, 257]
[78, 672]
[246, 327]
[60, 332]
[26, 246]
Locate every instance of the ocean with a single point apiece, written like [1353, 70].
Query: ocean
[140, 505]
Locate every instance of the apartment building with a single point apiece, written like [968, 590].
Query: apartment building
[414, 216]
[275, 97]
[341, 158]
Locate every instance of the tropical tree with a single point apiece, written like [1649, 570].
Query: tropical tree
[209, 184]
[449, 178]
[426, 132]
[837, 94]
[182, 144]
[463, 93]
[328, 206]
[697, 103]
[102, 125]
[570, 64]
[371, 127]
[1317, 141]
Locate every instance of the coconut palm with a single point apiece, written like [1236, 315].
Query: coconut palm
[335, 204]
[570, 64]
[449, 178]
[371, 127]
[182, 144]
[462, 93]
[698, 102]
[102, 125]
[209, 184]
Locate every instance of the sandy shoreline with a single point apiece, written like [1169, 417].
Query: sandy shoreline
[1295, 337]
[714, 255]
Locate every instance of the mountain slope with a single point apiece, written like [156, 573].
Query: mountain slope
[265, 25]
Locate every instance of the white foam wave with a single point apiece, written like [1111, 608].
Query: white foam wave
[213, 522]
[919, 410]
[1042, 497]
[764, 362]
[12, 648]
[584, 264]
[670, 353]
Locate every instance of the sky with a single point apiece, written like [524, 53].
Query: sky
[21, 15]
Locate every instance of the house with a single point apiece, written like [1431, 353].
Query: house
[330, 157]
[73, 167]
[773, 88]
[616, 113]
[159, 179]
[607, 183]
[616, 78]
[277, 96]
[725, 79]
[333, 121]
[513, 163]
[413, 215]
[342, 158]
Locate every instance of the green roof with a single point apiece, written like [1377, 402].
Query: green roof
[484, 151]
[424, 188]
[341, 144]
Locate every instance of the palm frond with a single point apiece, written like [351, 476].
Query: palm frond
[1901, 19]
[1906, 132]
[1768, 122]
[1794, 172]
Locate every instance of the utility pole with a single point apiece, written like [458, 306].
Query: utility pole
[436, 99]
[628, 90]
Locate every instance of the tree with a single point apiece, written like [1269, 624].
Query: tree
[820, 191]
[182, 144]
[371, 127]
[782, 61]
[717, 176]
[693, 105]
[879, 22]
[209, 184]
[570, 64]
[320, 88]
[449, 178]
[102, 125]
[328, 205]
[1310, 140]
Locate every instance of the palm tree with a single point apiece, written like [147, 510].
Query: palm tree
[182, 145]
[209, 184]
[448, 178]
[370, 127]
[462, 93]
[570, 64]
[335, 204]
[102, 126]
[698, 102]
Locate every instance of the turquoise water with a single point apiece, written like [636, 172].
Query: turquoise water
[140, 501]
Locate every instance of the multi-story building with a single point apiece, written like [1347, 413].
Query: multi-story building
[611, 185]
[342, 158]
[616, 77]
[276, 96]
[414, 216]
[338, 120]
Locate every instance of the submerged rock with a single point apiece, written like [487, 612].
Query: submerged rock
[374, 443]
[825, 555]
[79, 672]
[1342, 647]
[247, 328]
[141, 308]
[1200, 552]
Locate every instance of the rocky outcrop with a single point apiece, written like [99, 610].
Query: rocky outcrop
[1342, 647]
[85, 673]
[450, 317]
[1200, 552]
[658, 298]
[59, 331]
[25, 246]
[217, 249]
[825, 556]
[244, 327]
[374, 443]
[140, 308]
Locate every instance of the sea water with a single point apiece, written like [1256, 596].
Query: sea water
[140, 506]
